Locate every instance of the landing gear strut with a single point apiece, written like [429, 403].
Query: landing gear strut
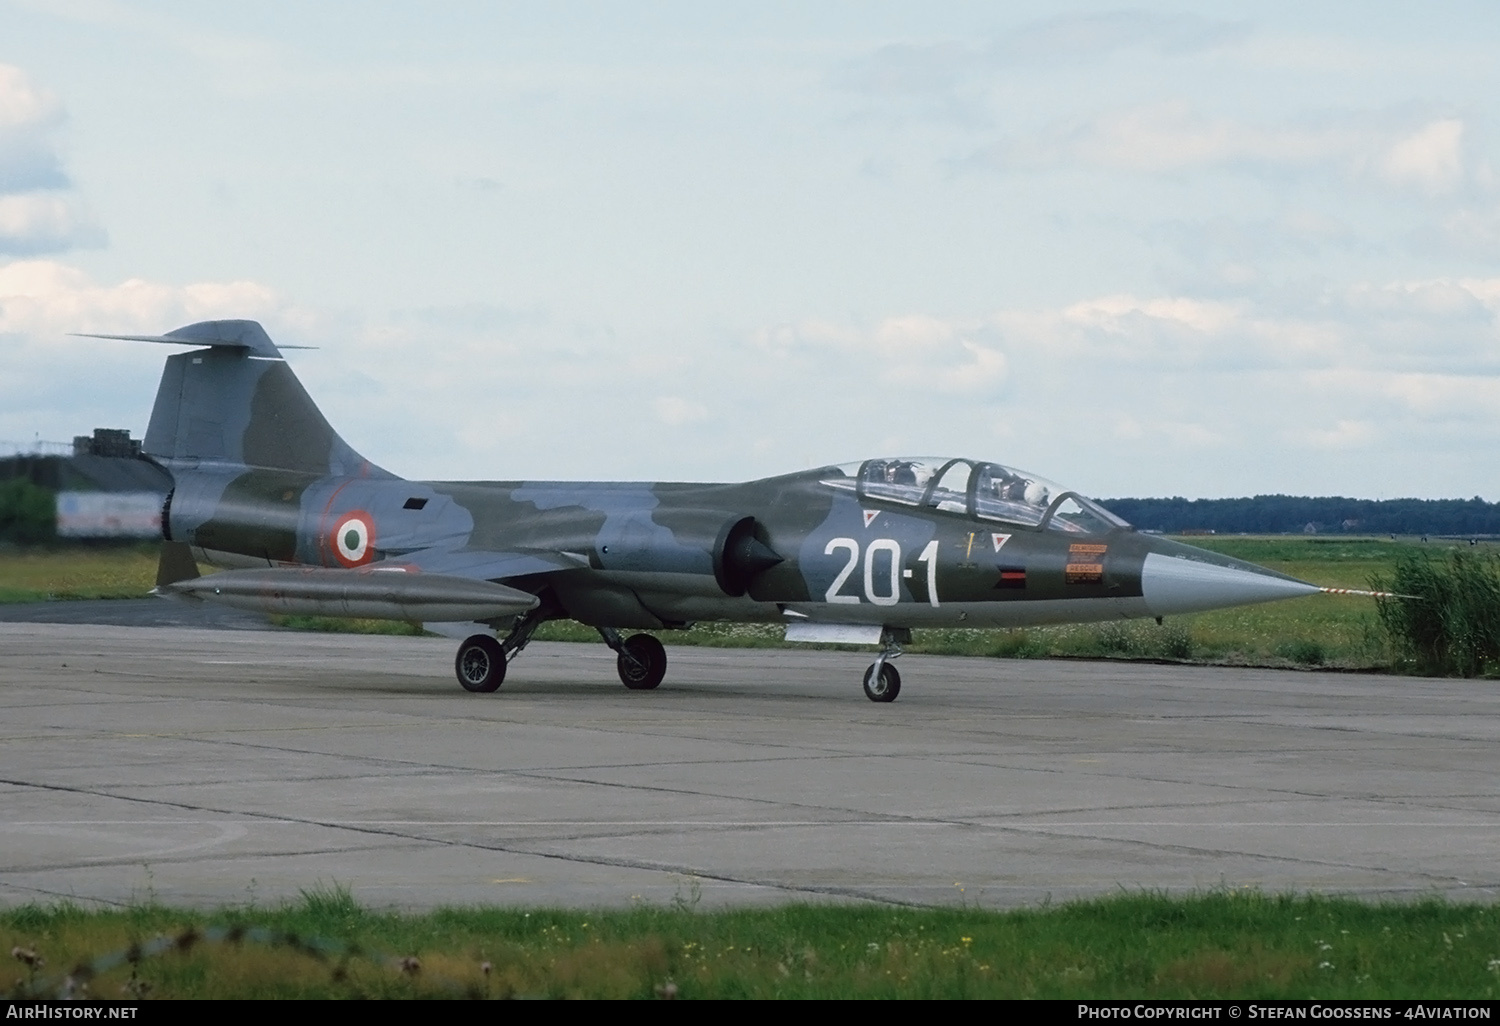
[882, 681]
[640, 659]
[481, 661]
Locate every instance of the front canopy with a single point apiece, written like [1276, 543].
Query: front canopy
[988, 491]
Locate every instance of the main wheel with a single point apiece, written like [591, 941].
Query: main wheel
[480, 664]
[883, 687]
[642, 662]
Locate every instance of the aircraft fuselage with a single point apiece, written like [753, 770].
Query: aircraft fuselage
[653, 555]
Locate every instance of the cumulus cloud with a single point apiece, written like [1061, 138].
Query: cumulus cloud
[28, 160]
[1116, 393]
[22, 104]
[55, 386]
[1169, 137]
[41, 298]
[45, 222]
[1123, 393]
[1449, 324]
[37, 212]
[1431, 158]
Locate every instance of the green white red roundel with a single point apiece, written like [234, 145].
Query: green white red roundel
[354, 539]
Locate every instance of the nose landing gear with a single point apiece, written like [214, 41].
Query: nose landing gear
[882, 680]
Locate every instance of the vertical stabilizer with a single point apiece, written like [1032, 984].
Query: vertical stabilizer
[236, 402]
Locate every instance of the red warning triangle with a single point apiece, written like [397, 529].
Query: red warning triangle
[999, 540]
[870, 514]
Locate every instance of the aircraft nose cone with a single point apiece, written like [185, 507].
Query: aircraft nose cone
[1173, 585]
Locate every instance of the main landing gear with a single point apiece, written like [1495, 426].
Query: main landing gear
[480, 665]
[481, 660]
[882, 680]
[640, 659]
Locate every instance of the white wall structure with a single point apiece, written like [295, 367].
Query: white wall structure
[109, 514]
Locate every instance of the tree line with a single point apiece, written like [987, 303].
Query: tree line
[1292, 514]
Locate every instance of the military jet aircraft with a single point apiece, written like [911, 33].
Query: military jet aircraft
[859, 553]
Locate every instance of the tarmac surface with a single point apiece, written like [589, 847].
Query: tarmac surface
[208, 767]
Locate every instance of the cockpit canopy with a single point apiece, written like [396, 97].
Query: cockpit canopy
[987, 491]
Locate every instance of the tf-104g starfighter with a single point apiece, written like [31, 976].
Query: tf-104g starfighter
[859, 553]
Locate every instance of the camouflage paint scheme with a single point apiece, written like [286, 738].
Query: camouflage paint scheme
[262, 481]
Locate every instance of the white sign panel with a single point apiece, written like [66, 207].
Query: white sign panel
[109, 514]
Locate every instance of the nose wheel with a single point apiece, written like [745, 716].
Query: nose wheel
[882, 682]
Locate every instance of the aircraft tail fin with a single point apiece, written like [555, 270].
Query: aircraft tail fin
[236, 402]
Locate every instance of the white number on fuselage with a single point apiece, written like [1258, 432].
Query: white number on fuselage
[883, 545]
[838, 582]
[893, 584]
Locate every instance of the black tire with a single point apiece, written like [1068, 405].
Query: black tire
[642, 662]
[480, 664]
[884, 689]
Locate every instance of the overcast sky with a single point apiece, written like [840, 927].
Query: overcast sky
[1163, 250]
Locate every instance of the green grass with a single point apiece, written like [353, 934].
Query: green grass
[1323, 631]
[47, 573]
[1217, 945]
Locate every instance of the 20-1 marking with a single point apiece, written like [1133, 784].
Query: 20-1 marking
[888, 582]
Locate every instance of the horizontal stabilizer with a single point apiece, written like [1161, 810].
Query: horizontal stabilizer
[247, 335]
[374, 594]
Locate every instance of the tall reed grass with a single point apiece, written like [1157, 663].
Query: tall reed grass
[1450, 624]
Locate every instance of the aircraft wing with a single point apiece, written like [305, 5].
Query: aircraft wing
[485, 565]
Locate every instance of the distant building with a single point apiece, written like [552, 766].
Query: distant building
[114, 443]
[106, 489]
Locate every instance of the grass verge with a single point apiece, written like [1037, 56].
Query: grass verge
[45, 574]
[1234, 944]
